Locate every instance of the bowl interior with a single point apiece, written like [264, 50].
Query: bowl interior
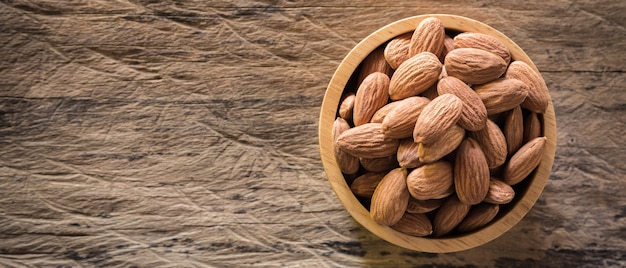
[529, 191]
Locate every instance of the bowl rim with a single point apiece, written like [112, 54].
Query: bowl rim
[338, 183]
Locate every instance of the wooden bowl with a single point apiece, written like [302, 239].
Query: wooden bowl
[525, 197]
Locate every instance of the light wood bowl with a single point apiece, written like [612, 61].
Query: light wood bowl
[516, 210]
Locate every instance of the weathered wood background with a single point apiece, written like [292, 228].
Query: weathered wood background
[184, 133]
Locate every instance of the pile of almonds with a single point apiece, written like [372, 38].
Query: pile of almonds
[436, 129]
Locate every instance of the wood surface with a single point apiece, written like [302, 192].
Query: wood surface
[184, 133]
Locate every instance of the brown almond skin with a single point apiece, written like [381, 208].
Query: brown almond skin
[538, 94]
[497, 118]
[379, 164]
[407, 154]
[524, 161]
[449, 215]
[414, 224]
[367, 140]
[474, 114]
[400, 121]
[441, 147]
[502, 94]
[429, 36]
[448, 45]
[380, 115]
[431, 92]
[478, 216]
[484, 42]
[532, 127]
[348, 164]
[493, 143]
[474, 66]
[423, 206]
[499, 192]
[437, 117]
[391, 198]
[431, 181]
[471, 173]
[365, 184]
[371, 96]
[347, 106]
[514, 130]
[414, 76]
[374, 62]
[397, 50]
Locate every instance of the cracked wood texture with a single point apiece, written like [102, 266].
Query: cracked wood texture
[184, 133]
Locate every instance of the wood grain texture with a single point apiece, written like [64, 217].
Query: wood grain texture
[184, 133]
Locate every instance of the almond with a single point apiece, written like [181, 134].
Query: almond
[367, 140]
[350, 177]
[423, 206]
[499, 192]
[532, 127]
[431, 181]
[474, 114]
[478, 216]
[407, 154]
[347, 106]
[497, 118]
[448, 45]
[365, 184]
[524, 161]
[514, 130]
[371, 96]
[431, 92]
[429, 36]
[400, 121]
[397, 50]
[538, 95]
[347, 163]
[474, 66]
[414, 76]
[502, 94]
[391, 198]
[442, 146]
[449, 215]
[471, 173]
[437, 117]
[493, 144]
[414, 224]
[374, 62]
[379, 115]
[379, 164]
[484, 42]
